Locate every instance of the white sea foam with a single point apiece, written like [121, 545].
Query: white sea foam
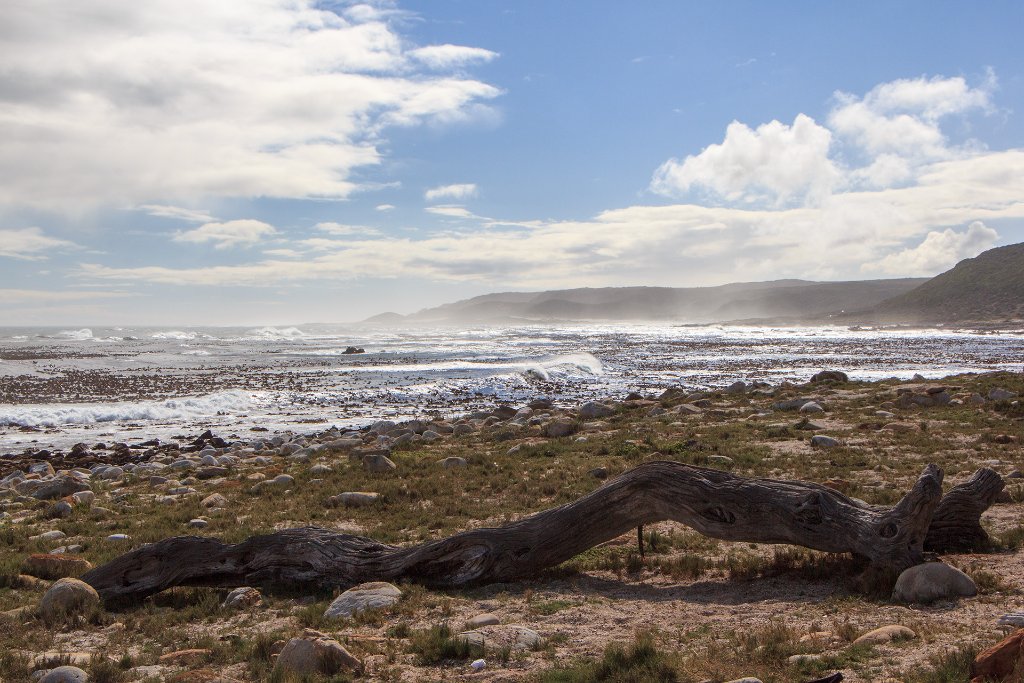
[76, 335]
[195, 352]
[188, 407]
[175, 335]
[277, 333]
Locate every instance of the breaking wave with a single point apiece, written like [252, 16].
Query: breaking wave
[55, 415]
[277, 333]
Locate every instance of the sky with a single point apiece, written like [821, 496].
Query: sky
[182, 162]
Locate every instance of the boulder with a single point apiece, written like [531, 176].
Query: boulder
[1001, 661]
[65, 674]
[214, 500]
[822, 441]
[811, 407]
[453, 462]
[482, 620]
[1001, 395]
[737, 387]
[66, 597]
[378, 463]
[559, 428]
[48, 566]
[373, 595]
[245, 596]
[59, 488]
[593, 410]
[932, 581]
[830, 376]
[354, 498]
[885, 634]
[314, 655]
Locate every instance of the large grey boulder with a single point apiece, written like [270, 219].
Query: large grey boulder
[65, 674]
[373, 595]
[933, 581]
[314, 655]
[68, 597]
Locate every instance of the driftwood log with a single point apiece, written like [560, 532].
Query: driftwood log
[715, 503]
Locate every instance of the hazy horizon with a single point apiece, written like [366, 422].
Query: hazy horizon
[265, 162]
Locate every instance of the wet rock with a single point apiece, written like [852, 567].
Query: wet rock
[885, 634]
[374, 595]
[830, 376]
[932, 581]
[49, 566]
[68, 597]
[314, 655]
[245, 596]
[65, 674]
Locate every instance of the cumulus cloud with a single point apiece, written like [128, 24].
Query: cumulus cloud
[457, 191]
[30, 244]
[385, 207]
[169, 101]
[773, 162]
[238, 233]
[875, 141]
[939, 251]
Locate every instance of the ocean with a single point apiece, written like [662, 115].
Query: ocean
[63, 386]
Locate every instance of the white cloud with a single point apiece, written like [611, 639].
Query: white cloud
[775, 163]
[343, 229]
[239, 233]
[876, 141]
[385, 207]
[177, 213]
[451, 211]
[451, 56]
[939, 251]
[457, 191]
[680, 244]
[30, 244]
[171, 101]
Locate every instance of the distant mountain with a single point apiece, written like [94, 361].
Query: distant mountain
[788, 299]
[986, 288]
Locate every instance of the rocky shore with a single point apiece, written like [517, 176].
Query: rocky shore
[64, 512]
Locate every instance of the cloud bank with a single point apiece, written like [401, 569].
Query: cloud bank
[110, 103]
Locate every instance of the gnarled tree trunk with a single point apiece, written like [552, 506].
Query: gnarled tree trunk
[956, 524]
[715, 503]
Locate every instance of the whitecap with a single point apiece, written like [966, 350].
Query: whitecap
[58, 414]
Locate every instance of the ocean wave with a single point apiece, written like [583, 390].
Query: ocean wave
[56, 414]
[569, 366]
[277, 333]
[176, 335]
[76, 335]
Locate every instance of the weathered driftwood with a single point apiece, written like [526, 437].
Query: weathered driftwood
[956, 524]
[714, 503]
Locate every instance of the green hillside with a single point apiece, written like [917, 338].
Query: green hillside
[989, 287]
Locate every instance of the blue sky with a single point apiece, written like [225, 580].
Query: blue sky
[271, 162]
